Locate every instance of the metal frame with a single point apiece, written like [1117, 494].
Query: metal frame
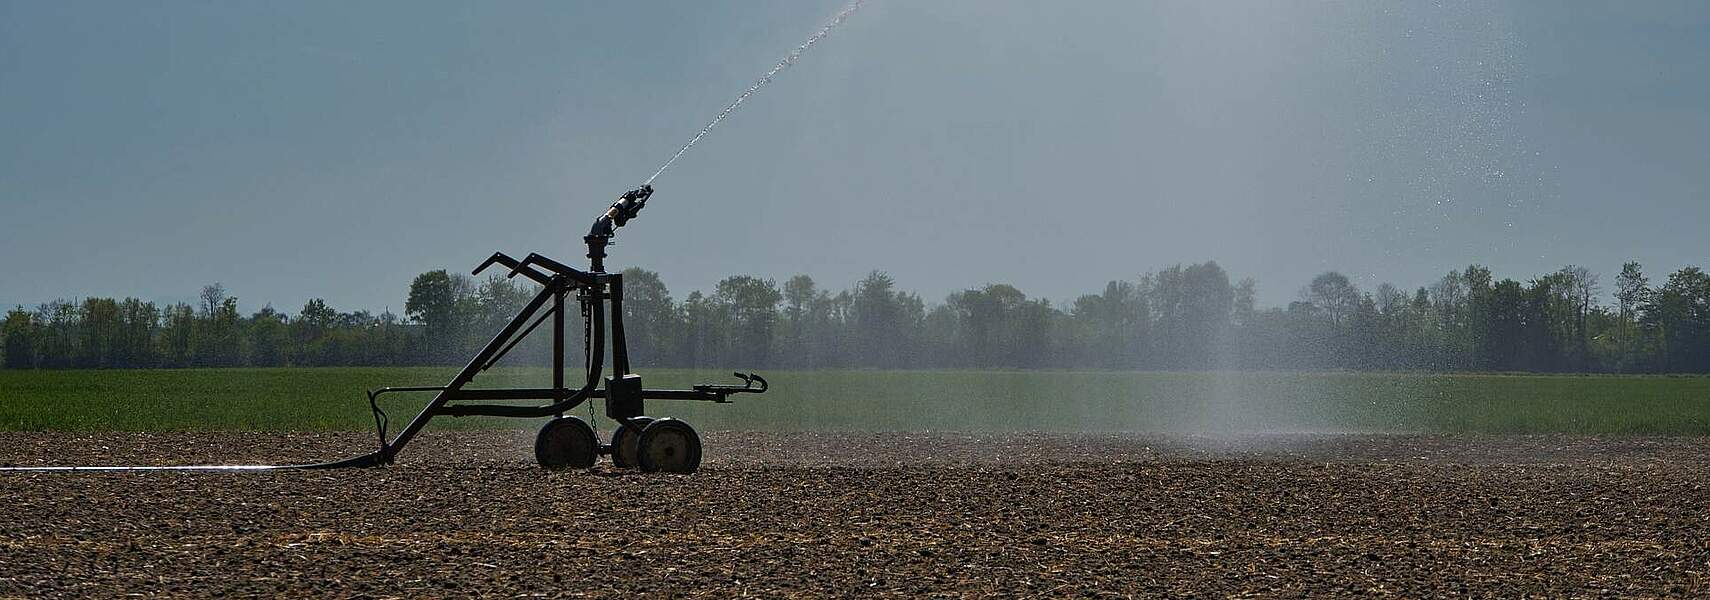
[595, 291]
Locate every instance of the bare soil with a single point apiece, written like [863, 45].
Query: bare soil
[866, 514]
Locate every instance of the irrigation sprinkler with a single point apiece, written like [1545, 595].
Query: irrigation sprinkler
[648, 443]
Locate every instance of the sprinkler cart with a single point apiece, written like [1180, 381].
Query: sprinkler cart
[650, 444]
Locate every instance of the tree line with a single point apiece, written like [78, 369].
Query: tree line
[1183, 317]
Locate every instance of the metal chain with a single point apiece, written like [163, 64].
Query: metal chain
[588, 358]
[593, 421]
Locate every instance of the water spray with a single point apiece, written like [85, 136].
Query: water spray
[789, 60]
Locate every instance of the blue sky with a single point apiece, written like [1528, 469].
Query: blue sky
[336, 150]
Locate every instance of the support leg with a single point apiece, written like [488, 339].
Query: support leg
[558, 341]
[469, 371]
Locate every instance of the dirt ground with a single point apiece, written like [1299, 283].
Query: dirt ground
[867, 514]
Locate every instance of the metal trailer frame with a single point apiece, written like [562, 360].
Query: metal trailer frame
[600, 295]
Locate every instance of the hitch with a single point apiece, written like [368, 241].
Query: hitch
[722, 392]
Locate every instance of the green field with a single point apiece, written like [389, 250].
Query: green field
[332, 399]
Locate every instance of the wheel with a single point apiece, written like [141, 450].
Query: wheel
[626, 441]
[670, 446]
[566, 443]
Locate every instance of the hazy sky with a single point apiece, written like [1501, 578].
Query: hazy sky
[337, 149]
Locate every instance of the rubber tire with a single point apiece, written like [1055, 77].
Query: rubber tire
[669, 446]
[566, 443]
[626, 442]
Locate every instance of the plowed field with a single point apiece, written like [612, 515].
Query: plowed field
[465, 513]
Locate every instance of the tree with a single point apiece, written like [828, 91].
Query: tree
[877, 321]
[138, 323]
[212, 297]
[433, 302]
[483, 313]
[1246, 301]
[1580, 288]
[706, 332]
[309, 333]
[1631, 287]
[20, 332]
[1546, 325]
[1180, 317]
[1631, 290]
[1031, 343]
[58, 339]
[267, 338]
[1210, 302]
[391, 340]
[1109, 329]
[1451, 302]
[1334, 296]
[1363, 341]
[1194, 305]
[1424, 340]
[1389, 300]
[798, 326]
[996, 329]
[177, 336]
[498, 300]
[1680, 314]
[1505, 327]
[1475, 317]
[650, 318]
[752, 306]
[977, 317]
[220, 343]
[206, 339]
[99, 327]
